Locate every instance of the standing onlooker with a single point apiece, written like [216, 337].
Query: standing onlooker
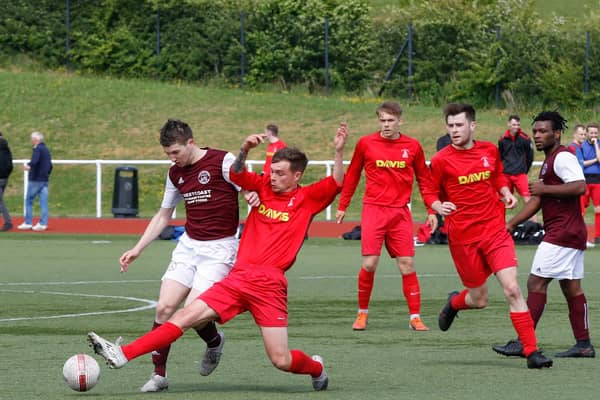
[40, 168]
[6, 167]
[560, 255]
[591, 171]
[468, 176]
[391, 161]
[272, 136]
[443, 141]
[579, 135]
[516, 152]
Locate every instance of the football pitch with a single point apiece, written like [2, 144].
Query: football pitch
[56, 288]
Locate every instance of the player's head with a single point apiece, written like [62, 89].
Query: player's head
[271, 130]
[177, 140]
[460, 124]
[579, 133]
[548, 127]
[514, 124]
[287, 167]
[592, 131]
[390, 119]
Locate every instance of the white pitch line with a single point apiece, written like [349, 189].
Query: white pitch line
[149, 304]
[75, 283]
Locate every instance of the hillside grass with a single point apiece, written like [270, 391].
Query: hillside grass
[87, 117]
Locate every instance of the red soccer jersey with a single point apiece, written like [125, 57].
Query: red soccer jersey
[471, 179]
[271, 150]
[280, 221]
[211, 201]
[390, 168]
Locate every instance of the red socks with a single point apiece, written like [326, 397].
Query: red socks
[523, 324]
[412, 292]
[158, 338]
[458, 302]
[303, 364]
[159, 357]
[365, 287]
[578, 315]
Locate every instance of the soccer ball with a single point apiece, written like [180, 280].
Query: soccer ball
[81, 372]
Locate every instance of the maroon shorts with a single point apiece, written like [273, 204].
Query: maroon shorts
[476, 261]
[390, 225]
[262, 291]
[519, 182]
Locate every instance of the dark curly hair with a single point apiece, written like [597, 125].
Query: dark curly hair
[558, 122]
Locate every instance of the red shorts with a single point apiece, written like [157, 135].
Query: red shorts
[519, 182]
[476, 261]
[262, 291]
[392, 225]
[592, 192]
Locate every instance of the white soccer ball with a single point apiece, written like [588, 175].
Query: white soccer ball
[81, 372]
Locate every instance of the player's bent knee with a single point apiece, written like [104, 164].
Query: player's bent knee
[280, 361]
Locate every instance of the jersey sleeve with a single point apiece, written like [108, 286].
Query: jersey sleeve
[172, 196]
[566, 167]
[352, 176]
[499, 180]
[246, 180]
[226, 167]
[423, 176]
[322, 193]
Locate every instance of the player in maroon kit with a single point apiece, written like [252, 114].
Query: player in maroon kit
[468, 176]
[206, 251]
[257, 282]
[274, 144]
[391, 161]
[561, 253]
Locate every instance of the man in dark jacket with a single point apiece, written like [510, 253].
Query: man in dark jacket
[39, 169]
[6, 167]
[516, 152]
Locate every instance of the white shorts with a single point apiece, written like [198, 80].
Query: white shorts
[199, 264]
[552, 261]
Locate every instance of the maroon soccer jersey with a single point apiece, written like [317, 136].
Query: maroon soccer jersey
[281, 220]
[390, 168]
[470, 179]
[211, 201]
[563, 222]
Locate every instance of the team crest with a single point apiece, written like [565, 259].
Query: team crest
[544, 169]
[180, 182]
[486, 163]
[204, 177]
[404, 153]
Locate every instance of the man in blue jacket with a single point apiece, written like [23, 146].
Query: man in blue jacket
[39, 169]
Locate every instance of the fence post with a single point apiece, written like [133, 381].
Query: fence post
[157, 31]
[410, 66]
[586, 85]
[68, 39]
[242, 53]
[389, 73]
[497, 65]
[327, 56]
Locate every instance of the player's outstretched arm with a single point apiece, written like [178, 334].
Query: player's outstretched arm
[251, 142]
[339, 141]
[157, 224]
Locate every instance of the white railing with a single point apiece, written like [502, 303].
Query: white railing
[328, 164]
[99, 163]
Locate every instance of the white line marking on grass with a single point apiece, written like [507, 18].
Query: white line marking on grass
[74, 283]
[149, 304]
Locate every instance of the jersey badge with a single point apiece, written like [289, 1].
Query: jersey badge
[291, 203]
[180, 181]
[204, 177]
[486, 163]
[404, 153]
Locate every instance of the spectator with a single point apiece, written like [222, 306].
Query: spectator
[516, 152]
[6, 167]
[40, 168]
[275, 143]
[443, 141]
[591, 171]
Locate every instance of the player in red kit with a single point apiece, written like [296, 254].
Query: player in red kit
[206, 251]
[391, 161]
[274, 144]
[257, 282]
[474, 193]
[560, 255]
